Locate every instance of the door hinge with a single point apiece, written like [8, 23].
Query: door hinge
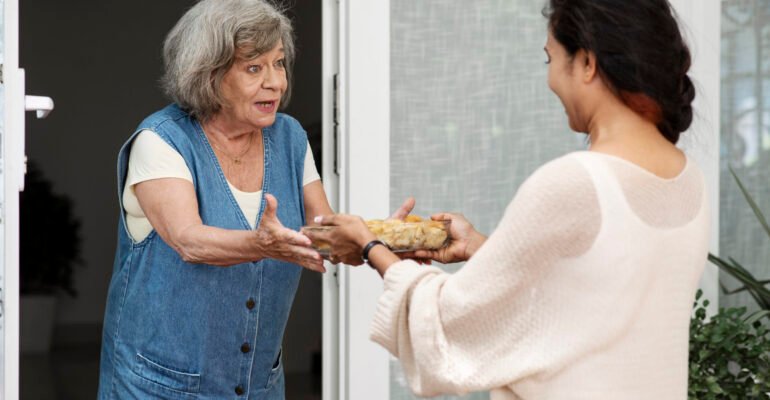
[336, 124]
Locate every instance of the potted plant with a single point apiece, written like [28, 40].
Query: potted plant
[730, 352]
[49, 251]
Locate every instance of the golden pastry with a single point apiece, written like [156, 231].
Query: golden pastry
[413, 233]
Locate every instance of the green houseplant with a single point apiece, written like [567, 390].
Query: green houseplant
[755, 287]
[49, 251]
[730, 352]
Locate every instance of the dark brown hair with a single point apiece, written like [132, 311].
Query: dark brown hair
[640, 54]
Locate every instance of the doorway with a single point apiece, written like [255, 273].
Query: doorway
[101, 62]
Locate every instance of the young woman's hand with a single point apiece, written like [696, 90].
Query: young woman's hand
[404, 210]
[347, 239]
[281, 243]
[464, 241]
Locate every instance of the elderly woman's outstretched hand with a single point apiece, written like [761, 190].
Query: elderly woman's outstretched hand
[281, 243]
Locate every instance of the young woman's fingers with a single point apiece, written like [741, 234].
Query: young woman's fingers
[441, 216]
[405, 209]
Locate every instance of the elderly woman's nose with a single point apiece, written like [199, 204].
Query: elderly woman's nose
[272, 78]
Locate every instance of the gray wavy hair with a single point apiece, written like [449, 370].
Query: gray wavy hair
[202, 47]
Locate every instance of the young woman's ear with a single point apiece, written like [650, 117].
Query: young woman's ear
[589, 69]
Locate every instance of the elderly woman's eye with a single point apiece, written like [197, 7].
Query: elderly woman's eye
[281, 63]
[254, 68]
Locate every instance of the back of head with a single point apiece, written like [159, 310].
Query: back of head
[640, 54]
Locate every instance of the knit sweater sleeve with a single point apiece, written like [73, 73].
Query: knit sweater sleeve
[502, 317]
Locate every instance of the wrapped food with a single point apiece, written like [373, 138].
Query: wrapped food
[413, 233]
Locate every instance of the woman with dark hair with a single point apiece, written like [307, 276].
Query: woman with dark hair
[585, 288]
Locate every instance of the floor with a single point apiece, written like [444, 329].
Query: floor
[72, 373]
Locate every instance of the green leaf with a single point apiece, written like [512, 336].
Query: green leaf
[756, 316]
[725, 290]
[757, 290]
[752, 203]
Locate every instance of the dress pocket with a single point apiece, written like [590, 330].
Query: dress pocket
[277, 371]
[165, 377]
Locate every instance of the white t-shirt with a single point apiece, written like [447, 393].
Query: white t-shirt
[152, 158]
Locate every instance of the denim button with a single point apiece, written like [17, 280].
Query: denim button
[239, 390]
[250, 304]
[245, 348]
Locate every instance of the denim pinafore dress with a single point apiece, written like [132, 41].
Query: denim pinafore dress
[177, 330]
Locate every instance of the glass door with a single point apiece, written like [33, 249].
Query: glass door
[13, 103]
[745, 139]
[448, 102]
[471, 113]
[12, 124]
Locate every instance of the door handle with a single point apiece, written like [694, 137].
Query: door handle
[41, 104]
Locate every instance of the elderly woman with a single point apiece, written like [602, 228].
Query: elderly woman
[585, 289]
[207, 261]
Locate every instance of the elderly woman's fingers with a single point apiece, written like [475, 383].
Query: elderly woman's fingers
[315, 265]
[405, 209]
[271, 207]
[305, 257]
[293, 237]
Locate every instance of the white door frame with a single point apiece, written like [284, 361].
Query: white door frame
[12, 178]
[12, 170]
[363, 40]
[330, 118]
[364, 185]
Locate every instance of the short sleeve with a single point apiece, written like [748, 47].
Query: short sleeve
[311, 173]
[152, 158]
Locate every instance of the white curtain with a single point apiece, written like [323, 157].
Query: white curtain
[471, 112]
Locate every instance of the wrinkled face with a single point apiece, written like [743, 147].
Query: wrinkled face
[564, 79]
[252, 89]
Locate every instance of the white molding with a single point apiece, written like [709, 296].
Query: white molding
[12, 179]
[365, 184]
[330, 297]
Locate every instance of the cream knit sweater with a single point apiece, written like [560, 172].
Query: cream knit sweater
[583, 291]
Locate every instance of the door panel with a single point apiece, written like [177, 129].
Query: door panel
[448, 102]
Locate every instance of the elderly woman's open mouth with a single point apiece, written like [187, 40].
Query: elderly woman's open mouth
[267, 106]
